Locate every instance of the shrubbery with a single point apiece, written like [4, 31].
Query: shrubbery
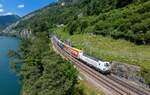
[131, 23]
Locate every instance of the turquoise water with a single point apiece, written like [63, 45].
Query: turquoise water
[9, 81]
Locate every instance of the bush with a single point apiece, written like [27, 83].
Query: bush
[90, 29]
[144, 8]
[120, 3]
[72, 27]
[146, 74]
[138, 27]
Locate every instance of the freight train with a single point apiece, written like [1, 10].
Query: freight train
[102, 66]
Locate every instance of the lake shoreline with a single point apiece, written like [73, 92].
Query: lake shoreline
[9, 80]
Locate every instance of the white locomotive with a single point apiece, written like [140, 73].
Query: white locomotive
[102, 66]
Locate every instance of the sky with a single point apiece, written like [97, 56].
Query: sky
[21, 7]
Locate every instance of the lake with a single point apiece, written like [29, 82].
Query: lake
[9, 81]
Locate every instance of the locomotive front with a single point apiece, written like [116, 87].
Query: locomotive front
[106, 67]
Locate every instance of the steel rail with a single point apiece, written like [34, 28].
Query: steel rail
[129, 86]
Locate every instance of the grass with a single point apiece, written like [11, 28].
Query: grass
[89, 89]
[109, 49]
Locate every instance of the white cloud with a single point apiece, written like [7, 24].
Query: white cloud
[20, 6]
[1, 10]
[4, 14]
[1, 5]
[8, 13]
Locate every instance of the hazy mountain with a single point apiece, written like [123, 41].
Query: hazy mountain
[7, 20]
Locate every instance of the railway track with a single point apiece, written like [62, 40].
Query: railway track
[113, 84]
[131, 87]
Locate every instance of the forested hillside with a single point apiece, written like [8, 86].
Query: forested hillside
[128, 19]
[119, 19]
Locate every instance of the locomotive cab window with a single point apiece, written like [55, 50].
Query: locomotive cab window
[107, 64]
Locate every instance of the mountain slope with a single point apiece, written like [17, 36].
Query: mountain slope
[7, 20]
[127, 19]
